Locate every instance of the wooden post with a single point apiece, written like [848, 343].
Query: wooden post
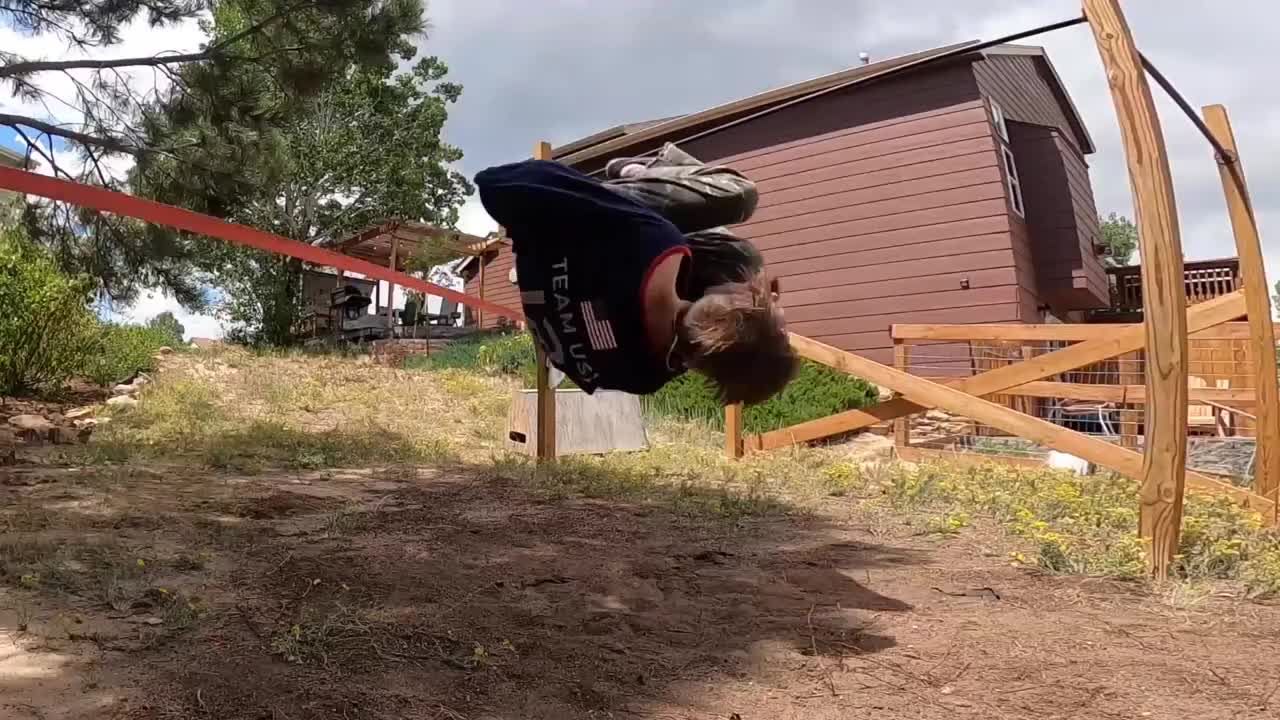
[335, 314]
[1163, 293]
[901, 426]
[391, 287]
[1129, 363]
[1262, 337]
[733, 446]
[546, 449]
[480, 313]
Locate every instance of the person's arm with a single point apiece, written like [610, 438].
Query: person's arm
[513, 194]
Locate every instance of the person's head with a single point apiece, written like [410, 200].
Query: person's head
[736, 336]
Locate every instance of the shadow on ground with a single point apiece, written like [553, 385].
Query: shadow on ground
[449, 595]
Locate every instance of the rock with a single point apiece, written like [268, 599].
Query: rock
[865, 446]
[81, 412]
[123, 389]
[956, 427]
[123, 401]
[36, 423]
[19, 477]
[164, 350]
[937, 416]
[35, 428]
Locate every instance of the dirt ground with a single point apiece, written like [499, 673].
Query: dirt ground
[454, 594]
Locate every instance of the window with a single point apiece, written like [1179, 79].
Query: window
[997, 118]
[1012, 183]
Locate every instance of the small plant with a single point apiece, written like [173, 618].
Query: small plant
[121, 351]
[950, 523]
[842, 478]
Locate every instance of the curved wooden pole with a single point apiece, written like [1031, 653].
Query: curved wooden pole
[1163, 292]
[117, 203]
[1262, 335]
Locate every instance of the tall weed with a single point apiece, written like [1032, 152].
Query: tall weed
[46, 329]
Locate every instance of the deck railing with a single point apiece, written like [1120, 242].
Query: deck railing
[1204, 280]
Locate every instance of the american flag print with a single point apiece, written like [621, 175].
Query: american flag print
[599, 331]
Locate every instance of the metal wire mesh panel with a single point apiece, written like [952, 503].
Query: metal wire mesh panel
[1105, 400]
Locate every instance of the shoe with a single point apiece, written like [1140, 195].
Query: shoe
[669, 156]
[625, 167]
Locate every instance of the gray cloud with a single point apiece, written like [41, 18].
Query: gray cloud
[560, 69]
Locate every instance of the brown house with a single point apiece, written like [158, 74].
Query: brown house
[957, 192]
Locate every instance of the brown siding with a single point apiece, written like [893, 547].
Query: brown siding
[1086, 215]
[1029, 298]
[883, 220]
[1060, 225]
[879, 205]
[497, 287]
[1019, 83]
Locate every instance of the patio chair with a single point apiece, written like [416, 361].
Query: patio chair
[447, 315]
[1063, 411]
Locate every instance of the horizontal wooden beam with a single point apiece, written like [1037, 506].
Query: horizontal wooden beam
[930, 394]
[1135, 394]
[916, 454]
[1059, 333]
[1132, 337]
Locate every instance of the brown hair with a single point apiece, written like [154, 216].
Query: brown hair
[736, 336]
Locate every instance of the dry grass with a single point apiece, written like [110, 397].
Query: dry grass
[270, 532]
[245, 412]
[248, 413]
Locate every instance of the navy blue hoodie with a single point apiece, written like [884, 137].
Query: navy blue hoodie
[583, 257]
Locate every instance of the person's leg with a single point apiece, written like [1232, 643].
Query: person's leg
[693, 196]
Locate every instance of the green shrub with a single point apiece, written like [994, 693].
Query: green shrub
[816, 391]
[46, 328]
[123, 350]
[459, 354]
[510, 354]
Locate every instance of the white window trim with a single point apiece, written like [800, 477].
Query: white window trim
[997, 118]
[1012, 183]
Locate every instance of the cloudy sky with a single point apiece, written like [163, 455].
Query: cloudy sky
[557, 70]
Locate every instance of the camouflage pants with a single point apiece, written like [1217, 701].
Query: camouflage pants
[700, 200]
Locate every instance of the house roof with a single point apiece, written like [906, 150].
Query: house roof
[623, 136]
[1056, 85]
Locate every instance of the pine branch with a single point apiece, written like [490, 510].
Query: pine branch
[112, 144]
[33, 66]
[27, 67]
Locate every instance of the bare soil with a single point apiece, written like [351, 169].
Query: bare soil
[451, 593]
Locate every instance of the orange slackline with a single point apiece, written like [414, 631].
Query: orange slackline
[161, 214]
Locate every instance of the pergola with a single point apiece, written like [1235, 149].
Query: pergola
[395, 244]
